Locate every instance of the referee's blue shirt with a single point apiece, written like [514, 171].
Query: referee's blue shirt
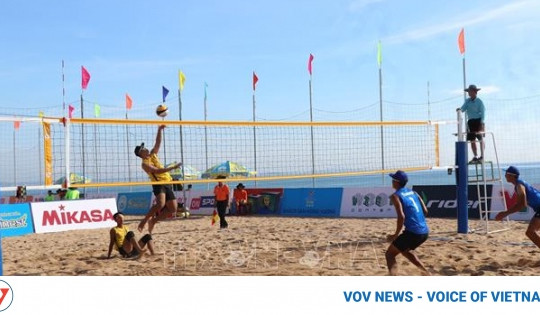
[474, 108]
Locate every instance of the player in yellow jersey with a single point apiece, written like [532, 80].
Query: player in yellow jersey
[157, 173]
[124, 240]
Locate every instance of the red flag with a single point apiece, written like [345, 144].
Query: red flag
[16, 124]
[129, 102]
[255, 80]
[85, 78]
[215, 217]
[461, 41]
[309, 68]
[70, 110]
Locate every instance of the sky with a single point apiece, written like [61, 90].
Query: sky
[136, 47]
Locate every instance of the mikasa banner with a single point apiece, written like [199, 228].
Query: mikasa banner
[68, 215]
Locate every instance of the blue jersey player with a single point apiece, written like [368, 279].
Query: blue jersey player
[411, 212]
[526, 196]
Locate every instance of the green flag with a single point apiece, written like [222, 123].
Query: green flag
[97, 110]
[379, 54]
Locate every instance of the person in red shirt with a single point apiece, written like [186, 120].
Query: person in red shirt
[240, 199]
[221, 194]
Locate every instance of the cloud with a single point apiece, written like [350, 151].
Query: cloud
[432, 30]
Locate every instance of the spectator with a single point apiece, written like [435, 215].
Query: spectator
[240, 199]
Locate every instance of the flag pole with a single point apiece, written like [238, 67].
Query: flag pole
[127, 146]
[182, 141]
[63, 91]
[14, 160]
[254, 129]
[205, 127]
[311, 120]
[379, 61]
[82, 145]
[96, 149]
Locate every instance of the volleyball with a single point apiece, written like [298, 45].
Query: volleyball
[162, 110]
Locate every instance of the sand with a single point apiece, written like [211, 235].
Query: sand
[274, 246]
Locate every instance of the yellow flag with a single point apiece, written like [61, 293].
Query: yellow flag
[215, 217]
[47, 148]
[181, 79]
[379, 54]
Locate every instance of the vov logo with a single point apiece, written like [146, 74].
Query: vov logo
[6, 295]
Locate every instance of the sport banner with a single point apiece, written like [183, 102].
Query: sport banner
[311, 202]
[65, 215]
[16, 220]
[367, 203]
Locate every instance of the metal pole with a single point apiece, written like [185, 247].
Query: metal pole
[14, 160]
[312, 145]
[205, 132]
[182, 148]
[82, 147]
[462, 179]
[254, 139]
[381, 117]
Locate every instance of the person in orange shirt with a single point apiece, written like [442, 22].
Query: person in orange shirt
[221, 194]
[240, 199]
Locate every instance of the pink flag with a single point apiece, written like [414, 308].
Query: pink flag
[129, 102]
[70, 109]
[461, 41]
[309, 63]
[16, 124]
[255, 80]
[85, 78]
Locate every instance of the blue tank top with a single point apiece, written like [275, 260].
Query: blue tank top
[533, 195]
[415, 221]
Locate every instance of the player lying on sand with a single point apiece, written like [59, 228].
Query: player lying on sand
[125, 242]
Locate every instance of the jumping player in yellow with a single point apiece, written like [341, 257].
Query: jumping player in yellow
[157, 173]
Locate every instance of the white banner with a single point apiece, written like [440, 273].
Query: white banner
[274, 295]
[497, 203]
[65, 215]
[367, 203]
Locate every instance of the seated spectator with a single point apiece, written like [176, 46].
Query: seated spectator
[72, 193]
[240, 199]
[50, 196]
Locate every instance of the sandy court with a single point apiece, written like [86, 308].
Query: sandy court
[273, 246]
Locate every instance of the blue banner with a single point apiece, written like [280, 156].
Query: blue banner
[16, 219]
[134, 203]
[307, 202]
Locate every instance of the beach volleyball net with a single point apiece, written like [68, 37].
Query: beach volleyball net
[100, 152]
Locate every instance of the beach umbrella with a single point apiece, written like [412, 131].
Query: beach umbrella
[73, 179]
[228, 169]
[191, 172]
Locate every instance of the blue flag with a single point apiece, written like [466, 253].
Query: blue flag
[165, 92]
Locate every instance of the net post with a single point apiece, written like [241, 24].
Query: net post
[462, 178]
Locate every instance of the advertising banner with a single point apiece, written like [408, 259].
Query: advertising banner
[201, 202]
[442, 203]
[16, 220]
[134, 203]
[367, 203]
[524, 214]
[311, 202]
[65, 215]
[264, 200]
